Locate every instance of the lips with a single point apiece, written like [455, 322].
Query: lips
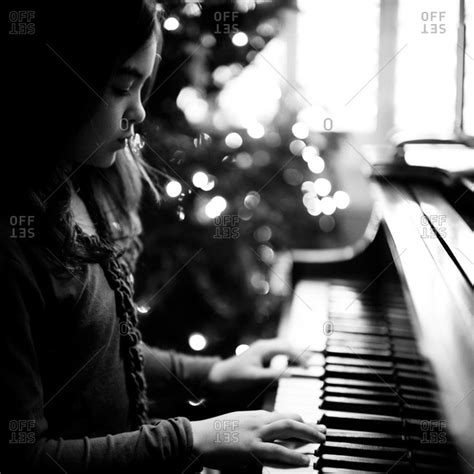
[123, 139]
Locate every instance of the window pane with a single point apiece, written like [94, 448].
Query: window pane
[337, 62]
[425, 81]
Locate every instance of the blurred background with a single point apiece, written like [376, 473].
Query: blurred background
[260, 121]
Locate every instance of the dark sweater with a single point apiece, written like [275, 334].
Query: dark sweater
[66, 406]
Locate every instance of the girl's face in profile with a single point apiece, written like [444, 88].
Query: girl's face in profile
[105, 133]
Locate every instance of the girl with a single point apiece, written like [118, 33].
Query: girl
[75, 370]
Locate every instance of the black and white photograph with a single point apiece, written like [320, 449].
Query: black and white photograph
[236, 236]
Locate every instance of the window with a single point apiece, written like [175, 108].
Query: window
[336, 61]
[378, 67]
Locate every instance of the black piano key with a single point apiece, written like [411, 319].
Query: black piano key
[354, 462]
[369, 314]
[373, 314]
[405, 333]
[361, 330]
[365, 422]
[357, 343]
[400, 391]
[360, 393]
[411, 378]
[415, 427]
[357, 405]
[408, 359]
[344, 351]
[438, 455]
[418, 368]
[373, 342]
[359, 361]
[363, 450]
[434, 468]
[365, 437]
[399, 323]
[357, 357]
[363, 339]
[337, 470]
[426, 399]
[361, 373]
[350, 321]
[339, 306]
[394, 318]
[416, 391]
[404, 345]
[352, 382]
[427, 412]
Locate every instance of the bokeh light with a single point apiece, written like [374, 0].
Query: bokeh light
[197, 342]
[322, 186]
[256, 130]
[171, 23]
[300, 130]
[173, 188]
[341, 199]
[328, 206]
[240, 39]
[233, 140]
[215, 207]
[241, 348]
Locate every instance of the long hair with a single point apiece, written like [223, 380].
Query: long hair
[57, 75]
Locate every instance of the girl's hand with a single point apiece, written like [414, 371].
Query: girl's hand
[243, 437]
[248, 368]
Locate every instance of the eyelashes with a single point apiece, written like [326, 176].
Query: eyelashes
[121, 92]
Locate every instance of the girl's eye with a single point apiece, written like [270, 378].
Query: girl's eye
[120, 92]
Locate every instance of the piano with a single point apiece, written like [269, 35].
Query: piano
[388, 324]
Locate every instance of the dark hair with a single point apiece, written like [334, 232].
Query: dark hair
[56, 78]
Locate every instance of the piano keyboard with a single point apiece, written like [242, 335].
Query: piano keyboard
[366, 382]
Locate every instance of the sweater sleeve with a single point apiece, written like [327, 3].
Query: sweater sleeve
[29, 446]
[186, 373]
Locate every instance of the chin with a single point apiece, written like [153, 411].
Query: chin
[104, 160]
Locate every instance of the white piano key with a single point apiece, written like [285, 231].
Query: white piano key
[310, 372]
[274, 469]
[306, 321]
[316, 359]
[300, 389]
[300, 383]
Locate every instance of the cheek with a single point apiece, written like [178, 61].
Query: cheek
[108, 121]
[100, 131]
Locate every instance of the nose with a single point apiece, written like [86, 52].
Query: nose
[136, 112]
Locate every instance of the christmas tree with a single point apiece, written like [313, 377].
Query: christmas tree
[229, 184]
